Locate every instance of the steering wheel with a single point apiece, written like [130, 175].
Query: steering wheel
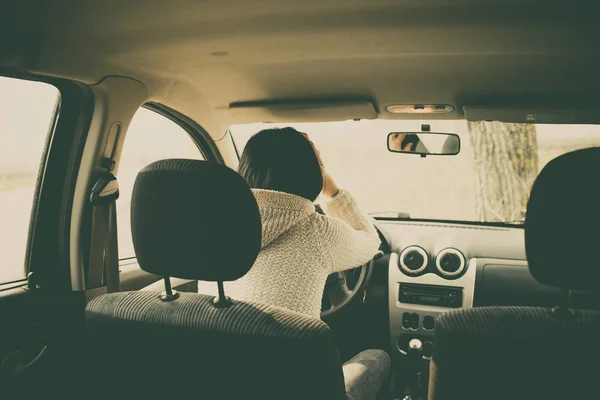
[338, 294]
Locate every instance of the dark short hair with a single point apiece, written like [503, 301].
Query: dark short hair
[282, 160]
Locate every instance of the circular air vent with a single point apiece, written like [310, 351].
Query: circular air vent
[413, 260]
[450, 262]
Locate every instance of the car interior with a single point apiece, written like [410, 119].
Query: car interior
[468, 130]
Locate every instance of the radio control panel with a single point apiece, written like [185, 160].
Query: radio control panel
[415, 301]
[431, 295]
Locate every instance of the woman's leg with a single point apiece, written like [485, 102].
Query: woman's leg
[365, 373]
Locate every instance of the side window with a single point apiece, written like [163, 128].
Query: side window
[150, 137]
[27, 111]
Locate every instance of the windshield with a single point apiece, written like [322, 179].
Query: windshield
[488, 181]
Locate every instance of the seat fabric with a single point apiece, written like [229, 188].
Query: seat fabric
[248, 350]
[515, 353]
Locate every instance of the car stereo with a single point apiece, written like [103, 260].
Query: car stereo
[431, 295]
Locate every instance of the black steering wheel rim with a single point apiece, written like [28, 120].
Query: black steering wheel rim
[338, 293]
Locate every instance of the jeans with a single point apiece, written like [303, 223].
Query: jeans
[365, 373]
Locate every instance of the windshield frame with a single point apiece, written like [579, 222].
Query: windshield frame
[453, 222]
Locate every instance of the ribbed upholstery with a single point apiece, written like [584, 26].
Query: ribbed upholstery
[502, 321]
[516, 353]
[197, 312]
[244, 350]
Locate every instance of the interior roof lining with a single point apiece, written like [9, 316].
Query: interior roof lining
[200, 57]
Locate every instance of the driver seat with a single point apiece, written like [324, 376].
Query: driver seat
[199, 220]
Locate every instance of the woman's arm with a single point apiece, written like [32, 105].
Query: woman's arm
[348, 237]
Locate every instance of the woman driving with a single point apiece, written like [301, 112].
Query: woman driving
[300, 247]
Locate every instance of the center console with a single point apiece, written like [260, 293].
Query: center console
[422, 285]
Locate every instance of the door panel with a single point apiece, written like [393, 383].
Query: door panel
[41, 342]
[41, 329]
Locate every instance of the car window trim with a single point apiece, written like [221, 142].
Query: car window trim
[40, 181]
[450, 221]
[55, 181]
[197, 133]
[235, 147]
[35, 201]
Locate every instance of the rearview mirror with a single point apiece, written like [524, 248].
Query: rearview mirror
[424, 143]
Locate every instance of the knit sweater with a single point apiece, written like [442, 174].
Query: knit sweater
[300, 248]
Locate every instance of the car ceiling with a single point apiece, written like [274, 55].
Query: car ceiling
[200, 57]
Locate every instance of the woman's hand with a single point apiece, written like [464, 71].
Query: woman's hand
[330, 188]
[395, 143]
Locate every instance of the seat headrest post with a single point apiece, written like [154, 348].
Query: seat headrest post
[221, 301]
[169, 294]
[563, 309]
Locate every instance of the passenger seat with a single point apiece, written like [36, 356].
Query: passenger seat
[528, 352]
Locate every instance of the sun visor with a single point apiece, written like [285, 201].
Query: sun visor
[532, 115]
[302, 111]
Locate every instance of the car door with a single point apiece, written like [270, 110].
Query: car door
[42, 128]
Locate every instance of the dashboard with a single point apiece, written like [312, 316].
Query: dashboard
[434, 268]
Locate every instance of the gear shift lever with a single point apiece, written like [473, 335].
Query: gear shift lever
[415, 366]
[415, 346]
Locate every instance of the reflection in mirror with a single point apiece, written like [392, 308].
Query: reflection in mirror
[424, 143]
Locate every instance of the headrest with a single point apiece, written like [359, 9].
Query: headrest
[194, 220]
[562, 225]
